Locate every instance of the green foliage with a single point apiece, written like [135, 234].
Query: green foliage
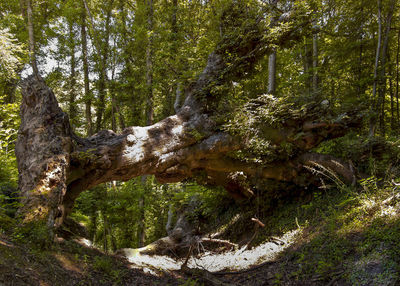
[190, 282]
[106, 265]
[35, 233]
[9, 124]
[13, 55]
[112, 212]
[345, 234]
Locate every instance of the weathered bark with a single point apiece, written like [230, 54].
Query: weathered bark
[43, 149]
[55, 165]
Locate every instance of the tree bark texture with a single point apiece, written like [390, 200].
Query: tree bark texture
[55, 165]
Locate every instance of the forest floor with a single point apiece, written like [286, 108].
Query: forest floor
[338, 237]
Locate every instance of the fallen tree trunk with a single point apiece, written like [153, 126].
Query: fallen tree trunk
[55, 165]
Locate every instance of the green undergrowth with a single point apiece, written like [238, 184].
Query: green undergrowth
[349, 236]
[345, 235]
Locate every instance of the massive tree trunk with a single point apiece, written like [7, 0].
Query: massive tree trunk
[55, 165]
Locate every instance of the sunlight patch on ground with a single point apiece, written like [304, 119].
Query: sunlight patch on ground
[231, 260]
[67, 263]
[242, 259]
[153, 264]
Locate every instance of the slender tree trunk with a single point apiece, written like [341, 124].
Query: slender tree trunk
[149, 65]
[22, 4]
[120, 117]
[72, 92]
[360, 56]
[315, 61]
[103, 58]
[272, 73]
[87, 96]
[105, 226]
[32, 43]
[149, 111]
[127, 55]
[397, 79]
[112, 238]
[382, 76]
[113, 108]
[374, 105]
[307, 64]
[174, 51]
[392, 117]
[93, 221]
[96, 40]
[178, 98]
[141, 230]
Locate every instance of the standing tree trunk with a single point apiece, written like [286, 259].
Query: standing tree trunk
[149, 112]
[392, 118]
[72, 80]
[272, 73]
[32, 44]
[382, 76]
[141, 234]
[361, 86]
[149, 65]
[397, 79]
[374, 105]
[174, 100]
[103, 58]
[315, 60]
[87, 95]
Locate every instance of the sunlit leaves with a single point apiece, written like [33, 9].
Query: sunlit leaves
[12, 55]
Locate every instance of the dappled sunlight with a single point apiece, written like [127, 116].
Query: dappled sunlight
[67, 263]
[241, 259]
[238, 259]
